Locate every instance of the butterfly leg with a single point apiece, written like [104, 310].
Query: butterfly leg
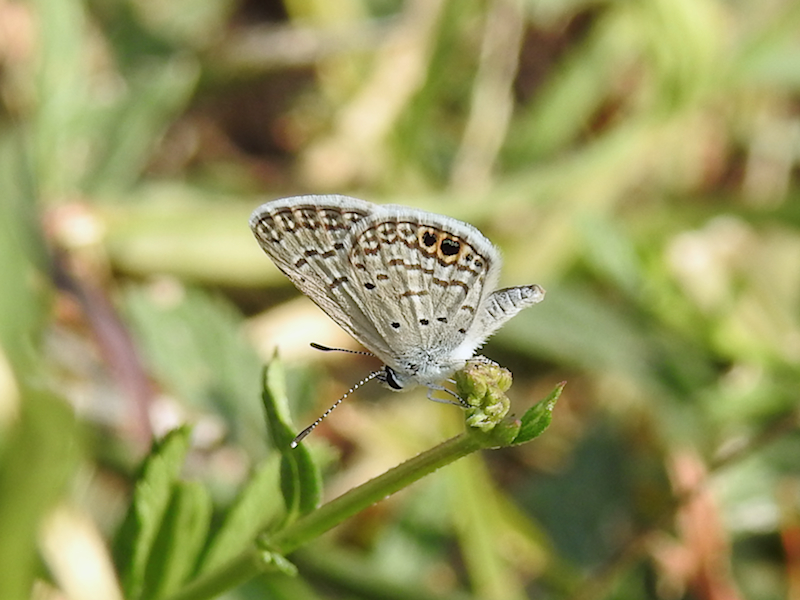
[440, 388]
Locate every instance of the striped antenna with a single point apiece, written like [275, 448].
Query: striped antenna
[301, 436]
[322, 348]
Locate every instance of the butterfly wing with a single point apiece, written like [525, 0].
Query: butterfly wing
[501, 305]
[306, 237]
[425, 277]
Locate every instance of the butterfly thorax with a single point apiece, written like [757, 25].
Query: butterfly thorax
[426, 368]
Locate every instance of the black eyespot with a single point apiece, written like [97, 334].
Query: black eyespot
[423, 321]
[442, 319]
[396, 325]
[462, 331]
[428, 239]
[391, 379]
[478, 263]
[369, 286]
[450, 247]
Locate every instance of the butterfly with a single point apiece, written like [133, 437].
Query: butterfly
[415, 288]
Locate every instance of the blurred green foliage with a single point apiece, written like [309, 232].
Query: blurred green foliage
[637, 158]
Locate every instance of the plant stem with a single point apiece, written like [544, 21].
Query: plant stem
[334, 512]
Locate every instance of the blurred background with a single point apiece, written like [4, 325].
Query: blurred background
[639, 159]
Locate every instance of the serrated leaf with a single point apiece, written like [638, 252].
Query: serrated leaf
[300, 479]
[257, 506]
[151, 500]
[180, 539]
[537, 418]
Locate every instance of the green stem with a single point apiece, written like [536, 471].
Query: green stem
[334, 512]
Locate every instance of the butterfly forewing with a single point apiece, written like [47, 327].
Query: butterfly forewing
[306, 237]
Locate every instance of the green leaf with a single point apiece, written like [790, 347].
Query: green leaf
[300, 479]
[537, 418]
[257, 506]
[126, 133]
[195, 348]
[25, 303]
[276, 404]
[150, 503]
[38, 455]
[180, 539]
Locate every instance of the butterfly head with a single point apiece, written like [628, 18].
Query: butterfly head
[410, 375]
[392, 379]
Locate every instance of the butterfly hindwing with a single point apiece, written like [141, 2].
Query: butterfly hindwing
[426, 277]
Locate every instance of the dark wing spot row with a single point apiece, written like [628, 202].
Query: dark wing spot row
[448, 249]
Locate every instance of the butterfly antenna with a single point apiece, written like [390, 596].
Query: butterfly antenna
[301, 436]
[329, 349]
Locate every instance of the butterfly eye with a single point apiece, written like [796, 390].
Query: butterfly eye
[391, 379]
